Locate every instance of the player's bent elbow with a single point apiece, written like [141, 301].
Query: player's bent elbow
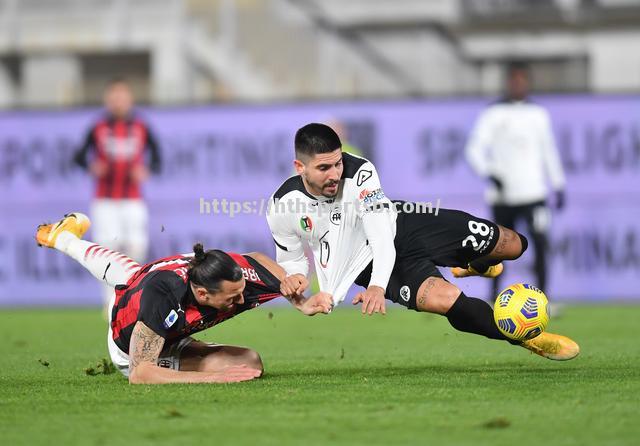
[254, 361]
[141, 374]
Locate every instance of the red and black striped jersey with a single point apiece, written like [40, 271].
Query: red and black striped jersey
[121, 144]
[160, 295]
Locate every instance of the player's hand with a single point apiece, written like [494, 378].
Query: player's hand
[139, 173]
[294, 284]
[99, 168]
[318, 303]
[234, 374]
[372, 300]
[497, 183]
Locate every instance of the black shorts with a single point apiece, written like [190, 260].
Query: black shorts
[425, 241]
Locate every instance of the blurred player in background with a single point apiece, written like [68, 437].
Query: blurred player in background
[158, 306]
[343, 133]
[120, 152]
[513, 147]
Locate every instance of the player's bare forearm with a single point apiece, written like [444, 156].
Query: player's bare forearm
[147, 373]
[144, 349]
[145, 346]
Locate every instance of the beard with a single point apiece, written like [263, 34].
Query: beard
[322, 188]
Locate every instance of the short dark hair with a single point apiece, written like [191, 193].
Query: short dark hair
[517, 65]
[315, 138]
[208, 268]
[117, 80]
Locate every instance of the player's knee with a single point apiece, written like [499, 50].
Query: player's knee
[524, 244]
[511, 245]
[436, 295]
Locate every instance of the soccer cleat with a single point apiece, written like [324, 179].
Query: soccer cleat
[552, 346]
[75, 223]
[493, 271]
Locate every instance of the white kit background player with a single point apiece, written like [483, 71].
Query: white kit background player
[513, 147]
[336, 207]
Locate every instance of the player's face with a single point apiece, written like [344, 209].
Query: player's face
[322, 173]
[518, 84]
[227, 297]
[118, 100]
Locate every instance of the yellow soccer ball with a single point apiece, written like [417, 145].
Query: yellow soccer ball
[521, 312]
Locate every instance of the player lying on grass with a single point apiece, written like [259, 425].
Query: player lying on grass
[336, 207]
[158, 306]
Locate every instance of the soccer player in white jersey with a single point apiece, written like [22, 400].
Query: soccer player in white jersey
[337, 207]
[512, 146]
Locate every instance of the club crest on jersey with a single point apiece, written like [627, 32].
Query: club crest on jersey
[306, 224]
[170, 319]
[405, 293]
[335, 216]
[363, 176]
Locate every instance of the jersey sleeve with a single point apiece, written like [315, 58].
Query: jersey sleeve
[81, 155]
[155, 160]
[264, 277]
[479, 144]
[289, 248]
[159, 303]
[375, 210]
[550, 155]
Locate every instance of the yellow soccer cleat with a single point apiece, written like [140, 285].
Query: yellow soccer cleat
[552, 346]
[75, 223]
[492, 272]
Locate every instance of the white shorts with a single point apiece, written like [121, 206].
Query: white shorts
[121, 225]
[169, 357]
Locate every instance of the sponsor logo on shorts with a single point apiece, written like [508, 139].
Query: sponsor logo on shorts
[170, 319]
[405, 293]
[306, 224]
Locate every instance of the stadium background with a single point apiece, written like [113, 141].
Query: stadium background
[225, 84]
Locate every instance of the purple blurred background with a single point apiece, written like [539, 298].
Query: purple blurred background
[245, 152]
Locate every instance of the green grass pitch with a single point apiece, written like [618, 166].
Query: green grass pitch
[405, 378]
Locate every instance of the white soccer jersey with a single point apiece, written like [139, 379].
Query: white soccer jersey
[513, 142]
[344, 233]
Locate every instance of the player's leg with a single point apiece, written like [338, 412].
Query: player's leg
[450, 239]
[135, 229]
[473, 315]
[417, 284]
[198, 356]
[506, 244]
[503, 216]
[107, 231]
[538, 218]
[106, 265]
[464, 313]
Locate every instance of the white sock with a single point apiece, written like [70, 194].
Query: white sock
[106, 265]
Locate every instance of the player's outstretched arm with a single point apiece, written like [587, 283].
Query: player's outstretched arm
[144, 349]
[293, 286]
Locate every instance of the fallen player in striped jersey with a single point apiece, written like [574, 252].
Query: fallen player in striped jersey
[158, 306]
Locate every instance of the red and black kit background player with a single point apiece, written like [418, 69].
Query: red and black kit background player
[119, 147]
[160, 295]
